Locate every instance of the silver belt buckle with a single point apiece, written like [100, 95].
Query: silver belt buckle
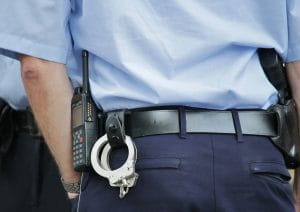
[124, 177]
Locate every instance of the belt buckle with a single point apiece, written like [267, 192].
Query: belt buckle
[124, 177]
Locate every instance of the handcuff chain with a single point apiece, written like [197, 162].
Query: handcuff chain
[124, 188]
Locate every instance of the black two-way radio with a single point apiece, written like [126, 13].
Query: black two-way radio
[84, 121]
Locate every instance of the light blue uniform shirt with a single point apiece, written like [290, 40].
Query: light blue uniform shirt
[11, 86]
[199, 53]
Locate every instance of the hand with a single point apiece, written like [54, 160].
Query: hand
[72, 195]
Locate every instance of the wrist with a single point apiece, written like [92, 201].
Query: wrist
[71, 177]
[71, 186]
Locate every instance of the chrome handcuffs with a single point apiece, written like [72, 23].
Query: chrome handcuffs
[124, 177]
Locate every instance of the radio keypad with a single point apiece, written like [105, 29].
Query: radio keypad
[78, 147]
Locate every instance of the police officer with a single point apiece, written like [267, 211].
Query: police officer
[29, 178]
[170, 60]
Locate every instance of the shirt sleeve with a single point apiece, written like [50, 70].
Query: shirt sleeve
[37, 28]
[293, 17]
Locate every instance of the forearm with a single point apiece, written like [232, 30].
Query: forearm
[293, 70]
[49, 93]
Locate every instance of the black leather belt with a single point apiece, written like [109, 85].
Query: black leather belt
[156, 122]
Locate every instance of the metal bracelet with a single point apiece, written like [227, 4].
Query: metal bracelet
[71, 187]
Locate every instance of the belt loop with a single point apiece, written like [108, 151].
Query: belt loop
[237, 125]
[32, 125]
[182, 122]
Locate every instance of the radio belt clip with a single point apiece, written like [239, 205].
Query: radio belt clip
[124, 177]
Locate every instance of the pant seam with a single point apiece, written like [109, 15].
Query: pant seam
[213, 173]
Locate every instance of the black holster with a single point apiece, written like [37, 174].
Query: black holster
[288, 138]
[7, 129]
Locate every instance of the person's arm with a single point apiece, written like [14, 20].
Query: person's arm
[293, 71]
[49, 92]
[47, 37]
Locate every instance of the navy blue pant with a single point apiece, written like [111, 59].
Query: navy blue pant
[29, 178]
[204, 172]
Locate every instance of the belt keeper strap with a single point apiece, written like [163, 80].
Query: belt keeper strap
[115, 128]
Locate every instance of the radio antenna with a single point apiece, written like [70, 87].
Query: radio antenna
[85, 72]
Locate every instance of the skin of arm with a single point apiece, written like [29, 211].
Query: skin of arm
[49, 92]
[293, 73]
